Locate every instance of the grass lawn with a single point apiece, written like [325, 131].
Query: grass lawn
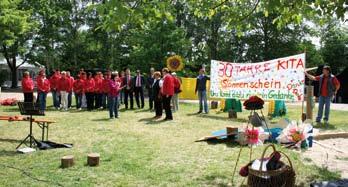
[136, 151]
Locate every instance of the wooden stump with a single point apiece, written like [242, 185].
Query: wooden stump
[93, 159]
[67, 161]
[232, 130]
[232, 114]
[214, 104]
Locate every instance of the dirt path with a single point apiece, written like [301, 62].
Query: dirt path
[330, 158]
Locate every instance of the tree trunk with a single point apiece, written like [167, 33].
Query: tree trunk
[14, 77]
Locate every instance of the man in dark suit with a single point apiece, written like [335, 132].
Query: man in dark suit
[149, 82]
[128, 89]
[138, 85]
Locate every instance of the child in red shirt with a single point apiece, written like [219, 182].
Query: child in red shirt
[89, 87]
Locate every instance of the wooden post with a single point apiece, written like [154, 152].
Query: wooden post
[232, 114]
[214, 104]
[93, 159]
[309, 102]
[67, 161]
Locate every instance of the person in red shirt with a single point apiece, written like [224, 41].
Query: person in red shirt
[54, 84]
[78, 90]
[98, 79]
[328, 87]
[63, 87]
[113, 95]
[28, 87]
[167, 90]
[43, 87]
[175, 98]
[89, 91]
[122, 91]
[71, 85]
[105, 88]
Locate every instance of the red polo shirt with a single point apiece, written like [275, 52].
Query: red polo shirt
[324, 91]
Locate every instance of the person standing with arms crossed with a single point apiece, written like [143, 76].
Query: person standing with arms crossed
[201, 88]
[328, 87]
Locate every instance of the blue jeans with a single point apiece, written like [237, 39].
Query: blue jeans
[324, 101]
[69, 99]
[55, 97]
[113, 106]
[42, 100]
[202, 96]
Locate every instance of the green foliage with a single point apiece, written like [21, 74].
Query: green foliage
[114, 34]
[335, 48]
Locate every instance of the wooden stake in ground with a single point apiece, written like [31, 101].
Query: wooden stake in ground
[309, 102]
[93, 159]
[232, 114]
[67, 161]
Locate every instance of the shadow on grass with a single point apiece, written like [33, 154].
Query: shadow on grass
[240, 120]
[102, 119]
[215, 180]
[192, 114]
[146, 119]
[11, 109]
[4, 153]
[325, 126]
[228, 141]
[9, 140]
[142, 110]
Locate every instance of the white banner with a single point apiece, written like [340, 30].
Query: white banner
[279, 79]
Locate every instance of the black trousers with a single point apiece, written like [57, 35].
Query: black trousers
[90, 100]
[158, 107]
[139, 92]
[166, 106]
[151, 99]
[128, 93]
[98, 97]
[29, 97]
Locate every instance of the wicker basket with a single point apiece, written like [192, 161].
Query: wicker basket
[283, 177]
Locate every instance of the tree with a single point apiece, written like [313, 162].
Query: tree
[335, 47]
[17, 30]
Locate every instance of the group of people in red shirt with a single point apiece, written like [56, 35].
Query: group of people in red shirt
[97, 91]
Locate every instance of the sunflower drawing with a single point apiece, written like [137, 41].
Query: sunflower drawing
[175, 63]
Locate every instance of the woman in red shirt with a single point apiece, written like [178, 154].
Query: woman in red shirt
[167, 92]
[98, 89]
[28, 87]
[90, 88]
[43, 87]
[78, 90]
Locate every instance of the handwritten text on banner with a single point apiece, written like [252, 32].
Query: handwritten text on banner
[279, 79]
